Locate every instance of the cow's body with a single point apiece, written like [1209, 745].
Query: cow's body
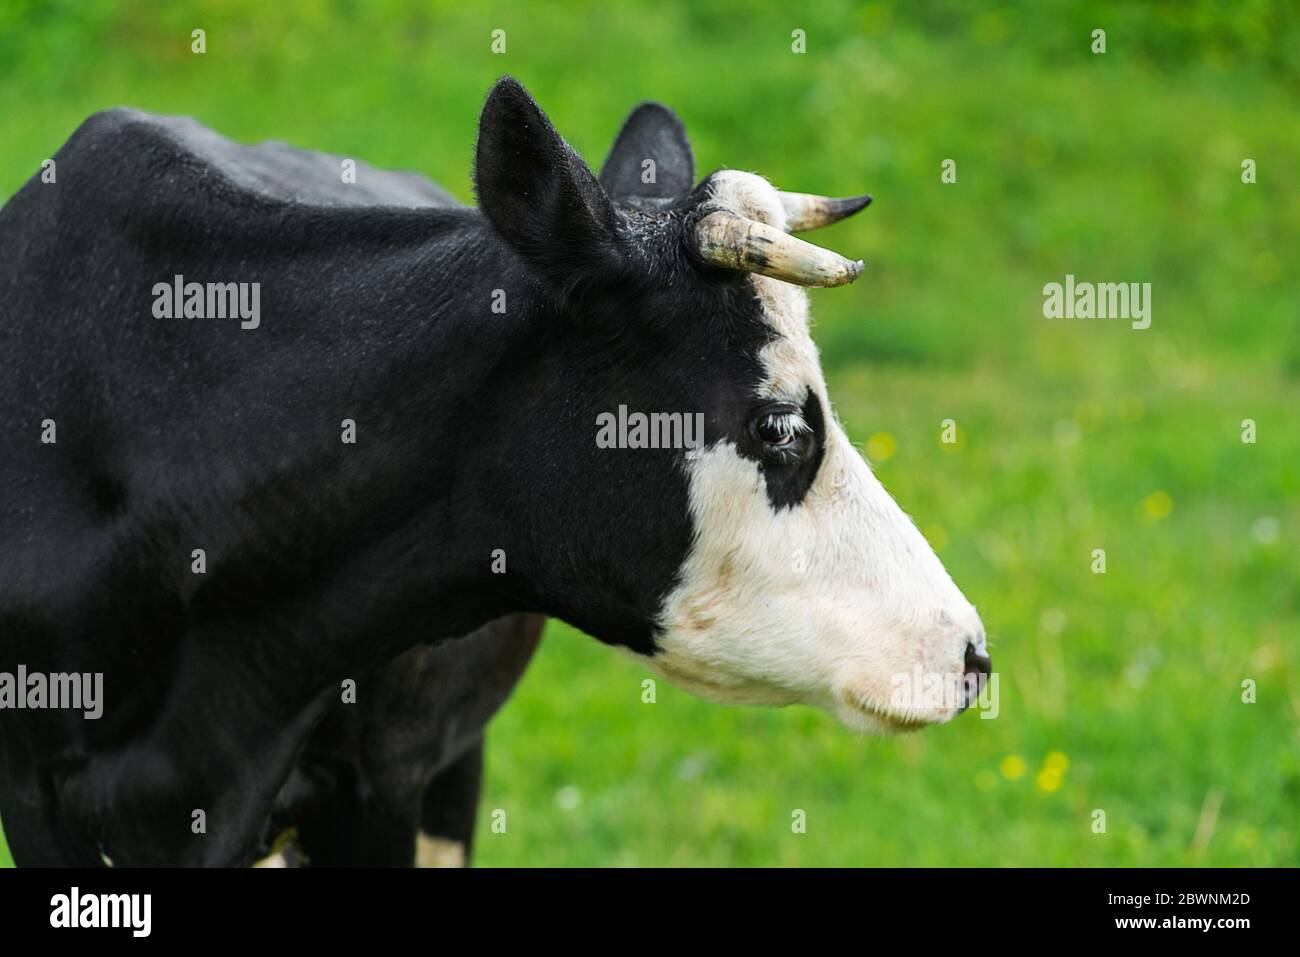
[204, 534]
[165, 443]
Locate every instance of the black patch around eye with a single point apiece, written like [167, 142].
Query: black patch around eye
[788, 478]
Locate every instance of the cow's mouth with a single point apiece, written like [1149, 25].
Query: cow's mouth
[887, 719]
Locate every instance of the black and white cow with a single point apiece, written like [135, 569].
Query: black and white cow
[200, 535]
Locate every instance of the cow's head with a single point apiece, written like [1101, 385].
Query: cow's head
[769, 565]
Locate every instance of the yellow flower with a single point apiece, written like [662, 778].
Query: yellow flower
[1157, 505]
[881, 447]
[1047, 780]
[1013, 766]
[1056, 762]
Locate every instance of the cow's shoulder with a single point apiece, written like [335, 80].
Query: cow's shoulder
[127, 150]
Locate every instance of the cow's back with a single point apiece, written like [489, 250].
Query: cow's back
[138, 199]
[149, 415]
[282, 173]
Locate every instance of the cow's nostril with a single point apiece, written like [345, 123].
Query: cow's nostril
[977, 659]
[978, 668]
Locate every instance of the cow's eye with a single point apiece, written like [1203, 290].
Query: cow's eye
[783, 432]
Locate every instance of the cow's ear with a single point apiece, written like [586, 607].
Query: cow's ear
[651, 156]
[537, 192]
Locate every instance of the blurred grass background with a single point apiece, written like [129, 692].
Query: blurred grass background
[1120, 692]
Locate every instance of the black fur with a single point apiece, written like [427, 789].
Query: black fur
[476, 431]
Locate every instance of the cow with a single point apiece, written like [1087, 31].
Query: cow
[387, 437]
[392, 779]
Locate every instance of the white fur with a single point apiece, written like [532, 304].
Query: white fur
[824, 603]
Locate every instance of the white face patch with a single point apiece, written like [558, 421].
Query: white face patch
[836, 602]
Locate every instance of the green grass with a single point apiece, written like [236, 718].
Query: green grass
[1073, 435]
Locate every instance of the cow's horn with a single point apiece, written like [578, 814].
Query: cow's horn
[735, 242]
[806, 211]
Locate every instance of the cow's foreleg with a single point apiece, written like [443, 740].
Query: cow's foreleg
[29, 810]
[198, 791]
[447, 817]
[360, 825]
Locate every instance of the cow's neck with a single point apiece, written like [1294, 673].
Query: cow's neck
[354, 495]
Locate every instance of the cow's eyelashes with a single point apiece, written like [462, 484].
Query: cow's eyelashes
[780, 428]
[782, 432]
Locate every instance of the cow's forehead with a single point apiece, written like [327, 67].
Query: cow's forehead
[790, 359]
[748, 195]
